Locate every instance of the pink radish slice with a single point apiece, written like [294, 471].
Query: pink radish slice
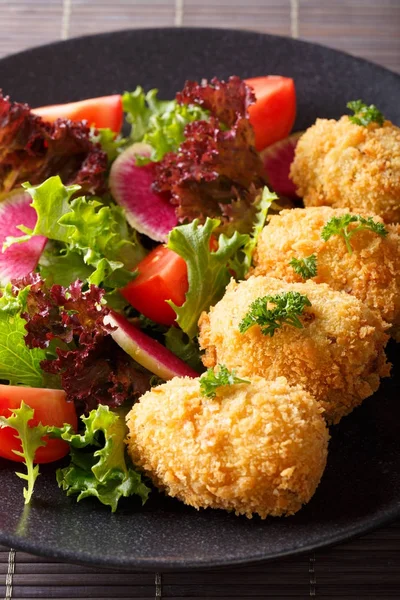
[19, 259]
[277, 160]
[147, 352]
[131, 186]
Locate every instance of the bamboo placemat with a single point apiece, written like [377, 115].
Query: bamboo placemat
[364, 568]
[368, 568]
[367, 28]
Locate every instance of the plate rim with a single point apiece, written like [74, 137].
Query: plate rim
[149, 565]
[366, 525]
[249, 32]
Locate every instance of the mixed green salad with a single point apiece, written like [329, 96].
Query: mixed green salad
[112, 246]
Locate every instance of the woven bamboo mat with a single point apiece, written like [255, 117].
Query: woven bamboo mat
[368, 28]
[367, 568]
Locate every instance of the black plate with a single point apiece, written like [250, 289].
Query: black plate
[361, 486]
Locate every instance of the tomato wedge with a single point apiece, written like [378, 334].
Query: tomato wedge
[162, 276]
[102, 112]
[51, 408]
[274, 111]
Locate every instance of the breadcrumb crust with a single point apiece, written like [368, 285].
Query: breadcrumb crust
[256, 448]
[371, 272]
[338, 356]
[340, 164]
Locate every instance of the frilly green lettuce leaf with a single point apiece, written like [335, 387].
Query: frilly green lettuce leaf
[138, 112]
[111, 144]
[51, 201]
[158, 123]
[31, 439]
[208, 271]
[61, 266]
[242, 261]
[82, 228]
[98, 463]
[19, 365]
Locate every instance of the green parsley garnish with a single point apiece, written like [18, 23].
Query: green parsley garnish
[340, 226]
[305, 267]
[211, 380]
[363, 114]
[288, 305]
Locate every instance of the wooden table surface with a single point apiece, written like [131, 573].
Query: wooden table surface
[364, 568]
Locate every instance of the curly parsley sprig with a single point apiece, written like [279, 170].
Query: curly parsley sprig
[212, 380]
[364, 114]
[287, 308]
[305, 267]
[340, 226]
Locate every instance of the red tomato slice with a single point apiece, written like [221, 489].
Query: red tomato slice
[51, 408]
[162, 276]
[274, 111]
[102, 112]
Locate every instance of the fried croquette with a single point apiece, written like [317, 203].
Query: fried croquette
[341, 164]
[257, 448]
[338, 355]
[371, 272]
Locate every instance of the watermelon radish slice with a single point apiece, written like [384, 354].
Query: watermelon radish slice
[131, 186]
[147, 352]
[277, 160]
[19, 259]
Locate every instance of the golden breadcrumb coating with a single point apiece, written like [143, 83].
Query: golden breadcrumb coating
[340, 164]
[338, 356]
[256, 448]
[371, 272]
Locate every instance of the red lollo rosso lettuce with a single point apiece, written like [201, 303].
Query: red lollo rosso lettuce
[33, 150]
[216, 172]
[92, 368]
[226, 101]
